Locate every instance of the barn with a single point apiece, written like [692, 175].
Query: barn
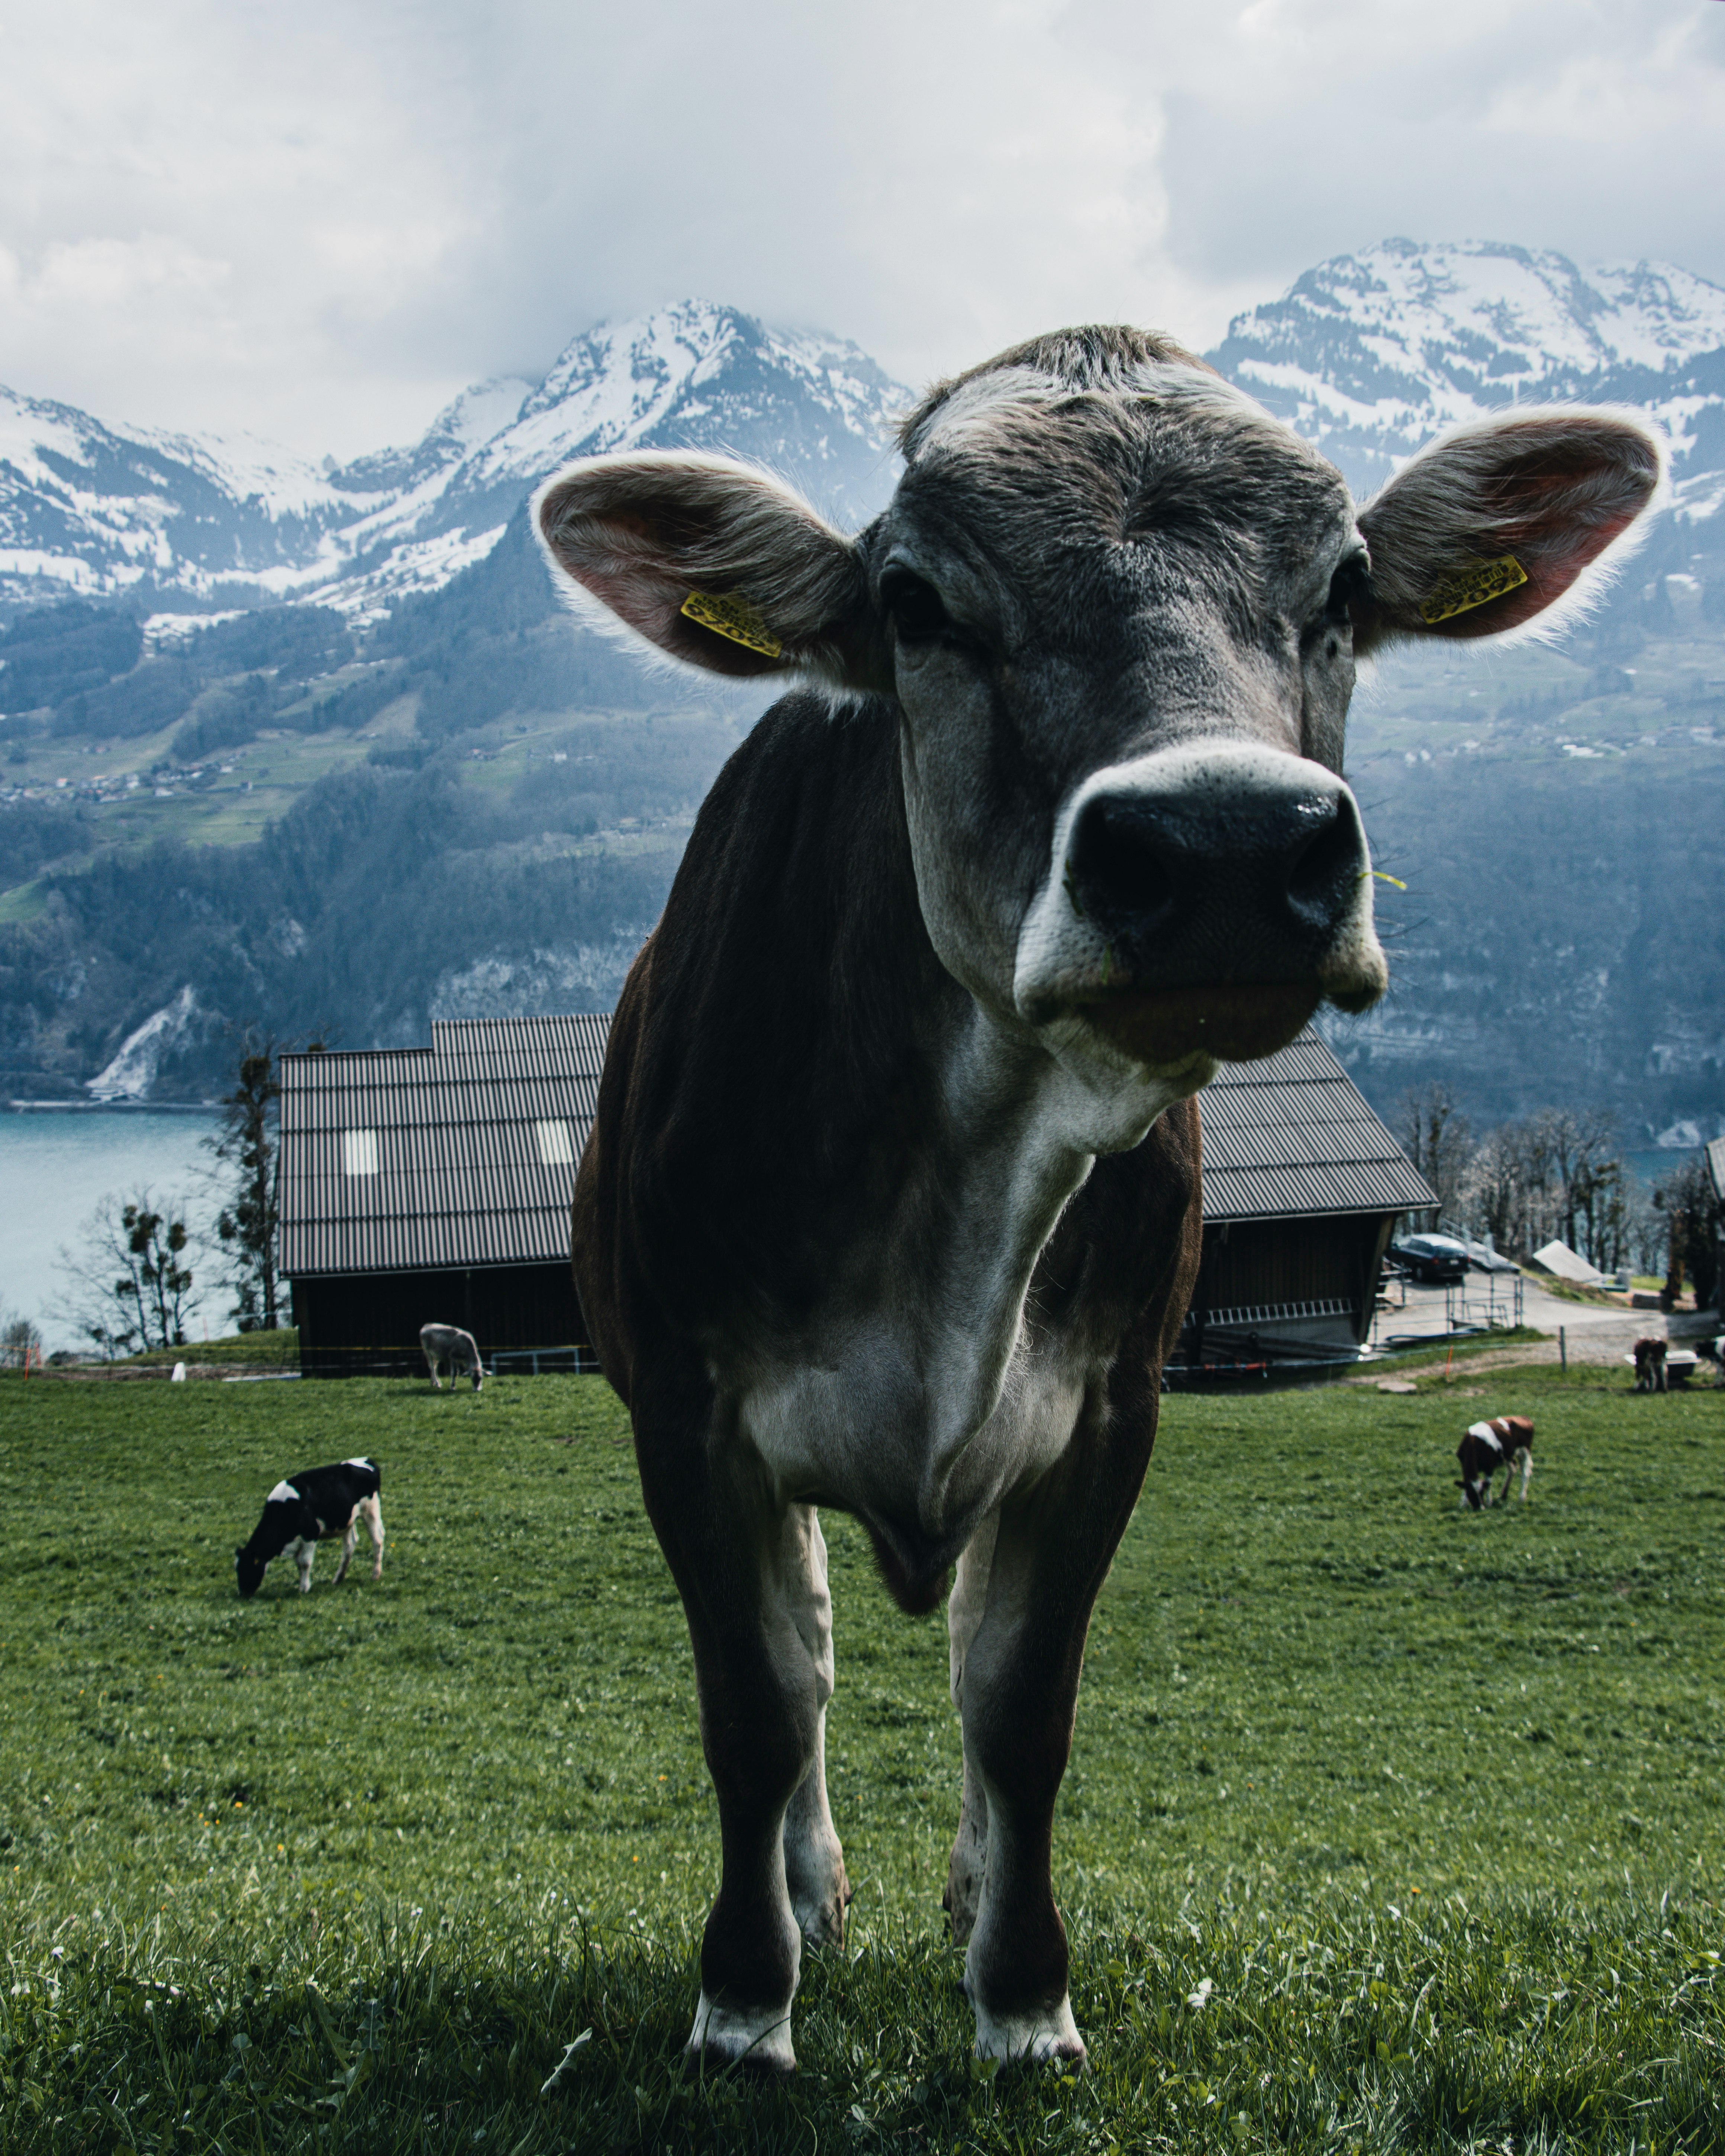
[433, 1185]
[1303, 1188]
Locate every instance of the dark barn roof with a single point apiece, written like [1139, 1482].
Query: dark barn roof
[1293, 1136]
[420, 1159]
[464, 1153]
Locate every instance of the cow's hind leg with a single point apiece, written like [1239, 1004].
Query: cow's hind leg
[1526, 1464]
[350, 1536]
[371, 1510]
[1017, 1648]
[756, 1610]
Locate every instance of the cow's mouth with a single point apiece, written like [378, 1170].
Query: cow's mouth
[1235, 1022]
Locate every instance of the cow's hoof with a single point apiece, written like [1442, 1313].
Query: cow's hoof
[820, 1916]
[1037, 2039]
[757, 2038]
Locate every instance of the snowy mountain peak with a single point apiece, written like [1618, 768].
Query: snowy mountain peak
[94, 508]
[1370, 354]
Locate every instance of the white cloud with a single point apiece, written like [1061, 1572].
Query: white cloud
[320, 221]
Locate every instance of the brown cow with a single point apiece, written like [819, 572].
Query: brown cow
[1649, 1365]
[892, 1199]
[1506, 1442]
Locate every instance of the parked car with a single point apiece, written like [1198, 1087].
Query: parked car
[1438, 1260]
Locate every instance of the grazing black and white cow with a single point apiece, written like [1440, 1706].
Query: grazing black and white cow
[307, 1509]
[448, 1344]
[1506, 1442]
[1649, 1365]
[892, 1198]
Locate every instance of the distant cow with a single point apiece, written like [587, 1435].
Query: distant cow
[1506, 1442]
[448, 1344]
[1649, 1365]
[308, 1509]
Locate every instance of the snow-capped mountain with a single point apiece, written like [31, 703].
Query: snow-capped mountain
[1370, 355]
[90, 509]
[87, 509]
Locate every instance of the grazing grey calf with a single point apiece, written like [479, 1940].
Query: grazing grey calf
[893, 1197]
[448, 1344]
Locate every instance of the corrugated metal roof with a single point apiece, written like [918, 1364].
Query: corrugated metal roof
[1292, 1136]
[472, 1151]
[464, 1163]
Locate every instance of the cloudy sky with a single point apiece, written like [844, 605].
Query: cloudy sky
[319, 221]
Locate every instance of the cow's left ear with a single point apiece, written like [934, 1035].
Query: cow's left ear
[713, 562]
[1504, 520]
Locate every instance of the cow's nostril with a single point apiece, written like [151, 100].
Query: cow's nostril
[1117, 865]
[1329, 864]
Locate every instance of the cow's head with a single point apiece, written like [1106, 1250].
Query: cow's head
[1119, 607]
[249, 1570]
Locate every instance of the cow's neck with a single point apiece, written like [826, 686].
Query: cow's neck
[872, 1286]
[978, 1204]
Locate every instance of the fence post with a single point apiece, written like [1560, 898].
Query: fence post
[1562, 1347]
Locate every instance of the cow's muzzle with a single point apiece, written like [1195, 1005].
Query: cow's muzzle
[1205, 901]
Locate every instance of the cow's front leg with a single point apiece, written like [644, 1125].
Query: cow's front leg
[965, 1606]
[350, 1536]
[814, 1861]
[1017, 1648]
[305, 1556]
[742, 1567]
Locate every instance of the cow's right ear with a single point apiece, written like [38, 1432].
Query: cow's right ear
[714, 563]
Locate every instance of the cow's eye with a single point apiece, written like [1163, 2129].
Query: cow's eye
[1348, 584]
[914, 605]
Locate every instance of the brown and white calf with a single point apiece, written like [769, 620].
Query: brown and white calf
[1505, 1443]
[448, 1344]
[892, 1199]
[309, 1508]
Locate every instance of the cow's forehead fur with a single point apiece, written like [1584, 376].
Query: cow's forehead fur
[1104, 450]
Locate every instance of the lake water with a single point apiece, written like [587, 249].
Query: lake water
[55, 1168]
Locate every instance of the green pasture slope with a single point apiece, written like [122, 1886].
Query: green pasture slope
[1388, 1826]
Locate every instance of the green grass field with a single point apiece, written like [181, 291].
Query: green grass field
[1430, 1802]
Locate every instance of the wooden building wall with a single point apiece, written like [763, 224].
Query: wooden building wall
[362, 1324]
[1252, 1263]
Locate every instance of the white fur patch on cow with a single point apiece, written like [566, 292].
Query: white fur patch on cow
[284, 1493]
[357, 1462]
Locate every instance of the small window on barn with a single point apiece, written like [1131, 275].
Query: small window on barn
[556, 1145]
[359, 1152]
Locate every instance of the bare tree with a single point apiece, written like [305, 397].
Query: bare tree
[1554, 1173]
[131, 1276]
[1434, 1136]
[20, 1342]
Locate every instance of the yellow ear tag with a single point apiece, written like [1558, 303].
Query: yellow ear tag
[731, 615]
[1464, 589]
